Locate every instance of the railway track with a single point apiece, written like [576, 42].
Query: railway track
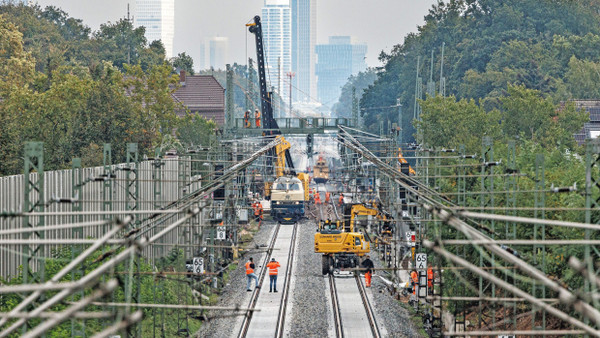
[353, 315]
[352, 311]
[270, 321]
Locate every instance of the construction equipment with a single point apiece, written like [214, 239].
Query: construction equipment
[340, 244]
[402, 161]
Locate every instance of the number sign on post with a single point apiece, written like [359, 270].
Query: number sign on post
[221, 233]
[421, 261]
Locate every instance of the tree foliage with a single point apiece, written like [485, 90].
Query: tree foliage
[75, 90]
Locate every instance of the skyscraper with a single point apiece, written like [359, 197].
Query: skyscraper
[214, 52]
[277, 37]
[304, 38]
[158, 16]
[337, 60]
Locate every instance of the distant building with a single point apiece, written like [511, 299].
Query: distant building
[336, 61]
[277, 37]
[590, 129]
[304, 39]
[202, 95]
[16, 2]
[158, 16]
[214, 52]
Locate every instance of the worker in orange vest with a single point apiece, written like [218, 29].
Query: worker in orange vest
[368, 264]
[247, 119]
[415, 280]
[257, 118]
[317, 198]
[251, 275]
[327, 197]
[430, 280]
[258, 213]
[341, 201]
[273, 265]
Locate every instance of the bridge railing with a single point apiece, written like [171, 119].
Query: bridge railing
[299, 123]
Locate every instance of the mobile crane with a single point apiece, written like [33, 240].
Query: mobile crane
[287, 200]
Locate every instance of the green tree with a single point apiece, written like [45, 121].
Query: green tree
[195, 130]
[583, 78]
[525, 113]
[361, 81]
[183, 62]
[446, 122]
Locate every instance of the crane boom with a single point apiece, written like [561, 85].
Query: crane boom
[268, 121]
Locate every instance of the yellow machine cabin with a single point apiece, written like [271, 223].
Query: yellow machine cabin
[339, 242]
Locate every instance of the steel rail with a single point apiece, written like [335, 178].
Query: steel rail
[255, 293]
[447, 216]
[64, 271]
[337, 316]
[42, 328]
[367, 305]
[279, 332]
[175, 306]
[125, 323]
[524, 333]
[510, 288]
[93, 275]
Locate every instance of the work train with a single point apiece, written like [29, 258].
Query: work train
[321, 171]
[287, 200]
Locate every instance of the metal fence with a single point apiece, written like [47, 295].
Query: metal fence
[160, 183]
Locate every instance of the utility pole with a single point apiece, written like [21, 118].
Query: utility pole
[291, 76]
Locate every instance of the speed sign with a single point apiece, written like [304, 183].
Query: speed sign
[421, 261]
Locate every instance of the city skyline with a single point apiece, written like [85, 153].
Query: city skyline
[276, 27]
[337, 60]
[304, 38]
[383, 25]
[158, 16]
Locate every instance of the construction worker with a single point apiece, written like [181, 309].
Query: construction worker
[257, 118]
[258, 212]
[414, 276]
[327, 197]
[368, 265]
[273, 265]
[317, 198]
[251, 275]
[247, 119]
[341, 200]
[429, 280]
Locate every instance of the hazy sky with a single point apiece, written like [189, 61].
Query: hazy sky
[379, 23]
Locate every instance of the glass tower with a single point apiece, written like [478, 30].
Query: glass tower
[277, 37]
[337, 60]
[304, 37]
[158, 16]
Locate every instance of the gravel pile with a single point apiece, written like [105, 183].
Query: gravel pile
[309, 302]
[220, 323]
[396, 319]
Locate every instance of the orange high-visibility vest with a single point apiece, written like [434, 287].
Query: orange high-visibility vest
[318, 198]
[249, 270]
[430, 274]
[341, 198]
[414, 277]
[257, 117]
[273, 267]
[256, 212]
[327, 196]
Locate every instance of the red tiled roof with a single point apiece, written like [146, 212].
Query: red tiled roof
[203, 94]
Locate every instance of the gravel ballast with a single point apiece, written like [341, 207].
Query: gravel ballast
[221, 324]
[310, 305]
[389, 312]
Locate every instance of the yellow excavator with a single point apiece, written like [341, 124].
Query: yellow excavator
[402, 160]
[340, 245]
